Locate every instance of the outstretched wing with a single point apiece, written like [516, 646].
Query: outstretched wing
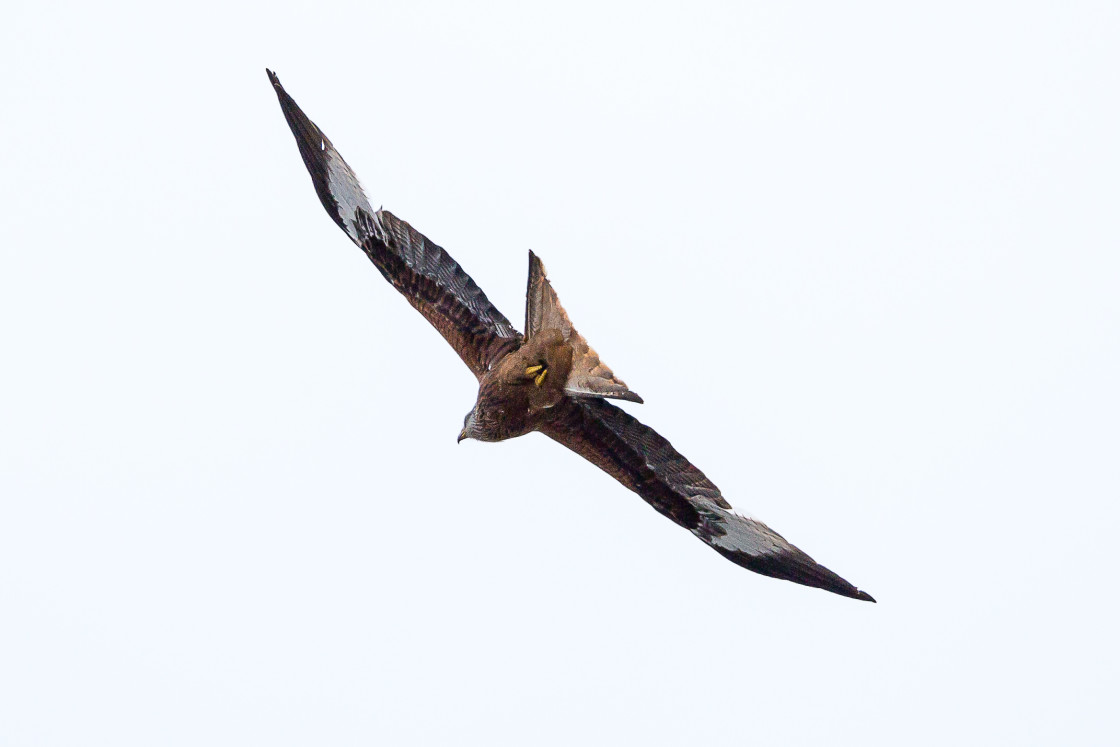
[639, 458]
[424, 273]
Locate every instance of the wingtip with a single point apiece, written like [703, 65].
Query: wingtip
[844, 589]
[793, 565]
[273, 78]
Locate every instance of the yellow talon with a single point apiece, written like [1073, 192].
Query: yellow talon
[540, 378]
[532, 370]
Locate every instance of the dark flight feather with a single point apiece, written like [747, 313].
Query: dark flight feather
[644, 461]
[423, 272]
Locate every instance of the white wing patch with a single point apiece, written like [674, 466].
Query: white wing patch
[347, 193]
[736, 531]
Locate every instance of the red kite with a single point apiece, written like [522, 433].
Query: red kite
[547, 380]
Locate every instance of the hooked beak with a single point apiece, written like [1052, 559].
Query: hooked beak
[468, 426]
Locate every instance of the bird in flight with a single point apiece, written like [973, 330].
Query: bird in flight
[549, 379]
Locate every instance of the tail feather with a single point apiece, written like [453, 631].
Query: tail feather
[589, 377]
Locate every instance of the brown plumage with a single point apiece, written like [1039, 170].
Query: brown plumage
[550, 380]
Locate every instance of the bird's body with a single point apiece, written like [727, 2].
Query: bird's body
[521, 392]
[549, 379]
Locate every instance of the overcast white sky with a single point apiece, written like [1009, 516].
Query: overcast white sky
[861, 262]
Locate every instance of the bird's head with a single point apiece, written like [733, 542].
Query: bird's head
[470, 425]
[482, 423]
[487, 420]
